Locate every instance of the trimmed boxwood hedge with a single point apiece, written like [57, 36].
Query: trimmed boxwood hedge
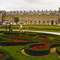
[55, 45]
[35, 38]
[29, 38]
[7, 55]
[32, 36]
[58, 50]
[47, 34]
[12, 32]
[14, 43]
[29, 33]
[37, 52]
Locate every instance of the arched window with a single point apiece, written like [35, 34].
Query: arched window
[30, 22]
[52, 22]
[39, 21]
[26, 22]
[48, 21]
[43, 22]
[56, 22]
[35, 22]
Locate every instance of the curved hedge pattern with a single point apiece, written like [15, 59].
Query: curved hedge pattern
[33, 38]
[37, 52]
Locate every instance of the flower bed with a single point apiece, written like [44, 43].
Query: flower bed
[37, 49]
[46, 43]
[15, 40]
[4, 40]
[28, 36]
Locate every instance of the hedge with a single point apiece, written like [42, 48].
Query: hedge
[29, 38]
[55, 45]
[47, 34]
[35, 38]
[37, 52]
[58, 50]
[7, 55]
[30, 33]
[14, 43]
[32, 36]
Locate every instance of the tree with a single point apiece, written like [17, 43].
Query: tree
[16, 19]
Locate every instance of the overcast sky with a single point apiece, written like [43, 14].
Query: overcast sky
[29, 5]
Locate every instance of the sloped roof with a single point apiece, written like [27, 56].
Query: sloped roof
[31, 13]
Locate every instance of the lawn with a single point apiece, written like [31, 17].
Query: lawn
[51, 28]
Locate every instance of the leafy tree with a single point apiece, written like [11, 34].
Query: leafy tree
[16, 19]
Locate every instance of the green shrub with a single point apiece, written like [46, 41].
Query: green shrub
[37, 52]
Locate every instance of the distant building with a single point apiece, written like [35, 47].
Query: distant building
[32, 17]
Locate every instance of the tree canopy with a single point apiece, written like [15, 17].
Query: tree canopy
[16, 19]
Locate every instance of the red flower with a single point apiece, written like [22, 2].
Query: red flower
[1, 56]
[46, 43]
[38, 47]
[15, 40]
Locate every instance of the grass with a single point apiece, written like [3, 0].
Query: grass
[50, 28]
[17, 54]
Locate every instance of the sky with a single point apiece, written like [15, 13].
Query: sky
[11, 5]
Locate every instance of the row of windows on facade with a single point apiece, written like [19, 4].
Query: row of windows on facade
[28, 15]
[35, 17]
[35, 22]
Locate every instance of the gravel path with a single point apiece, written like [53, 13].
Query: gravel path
[41, 32]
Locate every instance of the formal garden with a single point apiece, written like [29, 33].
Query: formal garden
[15, 45]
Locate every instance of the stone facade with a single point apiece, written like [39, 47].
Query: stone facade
[33, 17]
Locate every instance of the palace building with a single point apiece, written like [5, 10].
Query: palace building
[32, 17]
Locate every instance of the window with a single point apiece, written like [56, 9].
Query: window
[39, 21]
[43, 22]
[34, 22]
[48, 21]
[26, 22]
